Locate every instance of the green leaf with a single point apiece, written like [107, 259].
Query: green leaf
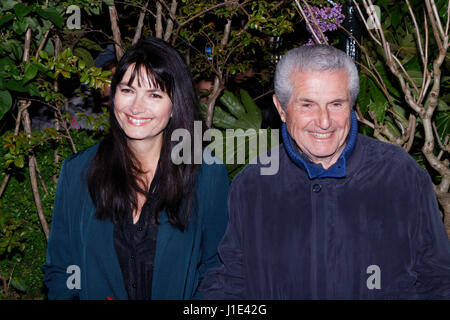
[22, 10]
[5, 102]
[442, 105]
[381, 68]
[33, 24]
[18, 284]
[232, 103]
[401, 113]
[109, 3]
[364, 97]
[392, 128]
[89, 44]
[6, 64]
[84, 55]
[49, 47]
[6, 18]
[31, 71]
[19, 162]
[15, 85]
[443, 125]
[396, 16]
[33, 90]
[43, 54]
[8, 4]
[13, 46]
[378, 104]
[52, 15]
[19, 27]
[253, 111]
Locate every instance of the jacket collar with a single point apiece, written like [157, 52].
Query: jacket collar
[337, 170]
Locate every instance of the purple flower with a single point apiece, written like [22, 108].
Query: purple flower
[327, 19]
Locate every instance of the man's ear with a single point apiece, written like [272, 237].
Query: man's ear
[280, 109]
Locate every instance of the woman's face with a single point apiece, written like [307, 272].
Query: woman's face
[141, 109]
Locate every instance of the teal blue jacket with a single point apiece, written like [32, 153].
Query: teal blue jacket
[78, 238]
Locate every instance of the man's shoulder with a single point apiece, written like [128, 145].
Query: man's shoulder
[255, 171]
[376, 151]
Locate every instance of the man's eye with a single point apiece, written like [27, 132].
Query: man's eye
[306, 105]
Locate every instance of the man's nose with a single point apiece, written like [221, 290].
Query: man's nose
[324, 120]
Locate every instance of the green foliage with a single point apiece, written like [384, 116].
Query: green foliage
[22, 244]
[388, 106]
[243, 115]
[241, 123]
[252, 25]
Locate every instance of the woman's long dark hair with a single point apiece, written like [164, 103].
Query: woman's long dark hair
[114, 177]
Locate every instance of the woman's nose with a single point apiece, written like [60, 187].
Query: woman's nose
[138, 105]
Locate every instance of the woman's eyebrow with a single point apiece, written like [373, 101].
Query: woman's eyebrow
[155, 89]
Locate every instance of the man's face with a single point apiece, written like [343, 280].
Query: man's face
[318, 114]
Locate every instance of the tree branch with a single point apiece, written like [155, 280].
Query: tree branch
[140, 24]
[116, 31]
[169, 27]
[158, 24]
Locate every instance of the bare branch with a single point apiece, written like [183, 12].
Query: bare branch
[26, 51]
[448, 17]
[226, 33]
[412, 131]
[361, 118]
[406, 73]
[437, 136]
[44, 40]
[419, 42]
[365, 23]
[433, 24]
[221, 4]
[32, 170]
[158, 25]
[316, 24]
[302, 13]
[169, 27]
[438, 19]
[446, 147]
[116, 31]
[217, 88]
[44, 187]
[140, 24]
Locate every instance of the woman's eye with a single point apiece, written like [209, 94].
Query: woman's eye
[156, 96]
[125, 90]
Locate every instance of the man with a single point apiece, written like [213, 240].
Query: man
[345, 217]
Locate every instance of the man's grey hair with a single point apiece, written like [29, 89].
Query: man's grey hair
[313, 58]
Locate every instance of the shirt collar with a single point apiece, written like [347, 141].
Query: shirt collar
[337, 170]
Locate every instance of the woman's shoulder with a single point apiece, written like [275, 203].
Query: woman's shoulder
[213, 172]
[79, 161]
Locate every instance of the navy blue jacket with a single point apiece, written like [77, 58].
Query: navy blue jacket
[78, 238]
[374, 234]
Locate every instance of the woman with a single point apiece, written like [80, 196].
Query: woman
[127, 222]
